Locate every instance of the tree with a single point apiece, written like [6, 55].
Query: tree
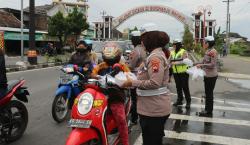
[76, 23]
[188, 39]
[57, 26]
[219, 40]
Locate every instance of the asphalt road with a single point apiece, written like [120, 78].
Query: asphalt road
[230, 124]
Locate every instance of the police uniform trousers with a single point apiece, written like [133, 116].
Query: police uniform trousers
[152, 129]
[209, 84]
[181, 81]
[134, 115]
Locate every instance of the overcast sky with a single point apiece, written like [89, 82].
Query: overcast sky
[240, 13]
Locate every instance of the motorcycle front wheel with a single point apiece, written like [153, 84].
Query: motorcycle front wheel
[60, 108]
[18, 116]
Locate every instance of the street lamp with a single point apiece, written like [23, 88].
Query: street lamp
[203, 10]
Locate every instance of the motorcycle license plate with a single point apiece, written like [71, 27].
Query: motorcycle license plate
[77, 123]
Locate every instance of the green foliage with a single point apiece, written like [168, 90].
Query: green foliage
[187, 39]
[56, 25]
[245, 52]
[76, 22]
[198, 49]
[61, 26]
[238, 48]
[219, 40]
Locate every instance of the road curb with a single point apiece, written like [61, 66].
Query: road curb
[30, 67]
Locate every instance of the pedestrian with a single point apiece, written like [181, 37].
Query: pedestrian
[112, 55]
[209, 66]
[153, 101]
[3, 78]
[136, 57]
[181, 76]
[224, 50]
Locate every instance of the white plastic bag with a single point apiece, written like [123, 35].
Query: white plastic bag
[121, 78]
[196, 73]
[188, 62]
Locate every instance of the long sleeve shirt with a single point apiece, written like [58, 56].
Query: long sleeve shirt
[153, 74]
[209, 63]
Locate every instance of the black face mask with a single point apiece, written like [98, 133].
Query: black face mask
[81, 50]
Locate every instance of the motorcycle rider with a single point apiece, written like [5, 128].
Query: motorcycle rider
[82, 58]
[136, 57]
[3, 78]
[111, 55]
[180, 75]
[93, 55]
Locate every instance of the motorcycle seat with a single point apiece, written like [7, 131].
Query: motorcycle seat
[12, 84]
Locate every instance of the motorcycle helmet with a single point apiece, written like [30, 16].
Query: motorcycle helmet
[111, 53]
[89, 43]
[210, 41]
[135, 38]
[178, 44]
[82, 47]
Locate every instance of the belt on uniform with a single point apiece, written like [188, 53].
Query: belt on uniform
[153, 92]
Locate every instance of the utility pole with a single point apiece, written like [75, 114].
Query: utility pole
[103, 13]
[22, 58]
[32, 56]
[228, 23]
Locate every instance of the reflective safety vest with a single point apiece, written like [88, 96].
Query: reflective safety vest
[179, 68]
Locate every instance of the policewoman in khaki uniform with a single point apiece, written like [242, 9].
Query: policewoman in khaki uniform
[136, 57]
[180, 75]
[209, 65]
[153, 101]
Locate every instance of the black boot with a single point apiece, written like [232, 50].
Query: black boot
[205, 114]
[177, 103]
[188, 105]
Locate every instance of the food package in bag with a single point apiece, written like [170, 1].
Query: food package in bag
[196, 73]
[188, 62]
[121, 78]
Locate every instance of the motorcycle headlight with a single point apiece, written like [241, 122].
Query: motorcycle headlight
[85, 103]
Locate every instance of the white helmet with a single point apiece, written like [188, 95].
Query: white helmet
[136, 33]
[209, 38]
[149, 27]
[176, 41]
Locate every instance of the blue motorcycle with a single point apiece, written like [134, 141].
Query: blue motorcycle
[69, 87]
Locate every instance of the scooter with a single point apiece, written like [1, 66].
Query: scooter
[13, 113]
[91, 120]
[69, 87]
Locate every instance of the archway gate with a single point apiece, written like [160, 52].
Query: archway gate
[186, 20]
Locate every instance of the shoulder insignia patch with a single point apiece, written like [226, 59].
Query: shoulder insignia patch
[155, 63]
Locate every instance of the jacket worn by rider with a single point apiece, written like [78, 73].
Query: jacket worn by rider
[179, 56]
[82, 60]
[115, 94]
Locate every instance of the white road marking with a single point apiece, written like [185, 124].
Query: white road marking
[225, 108]
[201, 138]
[211, 120]
[10, 73]
[221, 101]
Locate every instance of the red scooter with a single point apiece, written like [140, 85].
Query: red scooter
[13, 113]
[92, 121]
